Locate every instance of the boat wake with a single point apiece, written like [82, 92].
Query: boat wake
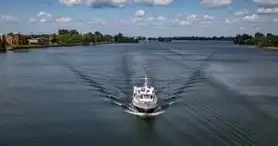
[144, 102]
[140, 114]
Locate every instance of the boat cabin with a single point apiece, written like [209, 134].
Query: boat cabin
[144, 93]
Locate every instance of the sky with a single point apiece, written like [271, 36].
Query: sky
[141, 17]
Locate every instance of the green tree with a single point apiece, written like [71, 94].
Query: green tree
[258, 34]
[270, 40]
[10, 34]
[269, 35]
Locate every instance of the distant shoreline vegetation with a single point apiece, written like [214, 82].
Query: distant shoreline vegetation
[268, 41]
[66, 37]
[73, 36]
[187, 38]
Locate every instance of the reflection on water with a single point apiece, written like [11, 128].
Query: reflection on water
[146, 129]
[22, 51]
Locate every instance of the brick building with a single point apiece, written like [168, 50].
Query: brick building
[16, 39]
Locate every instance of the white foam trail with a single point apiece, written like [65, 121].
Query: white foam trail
[118, 103]
[144, 114]
[114, 101]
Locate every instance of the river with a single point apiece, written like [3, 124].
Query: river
[56, 96]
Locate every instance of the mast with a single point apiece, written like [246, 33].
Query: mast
[146, 81]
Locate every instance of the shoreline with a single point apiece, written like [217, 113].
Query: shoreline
[271, 48]
[19, 47]
[254, 46]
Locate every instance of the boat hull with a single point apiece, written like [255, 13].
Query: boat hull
[144, 108]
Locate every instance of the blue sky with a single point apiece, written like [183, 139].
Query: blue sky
[141, 17]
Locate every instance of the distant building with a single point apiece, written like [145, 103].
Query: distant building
[40, 41]
[16, 39]
[33, 41]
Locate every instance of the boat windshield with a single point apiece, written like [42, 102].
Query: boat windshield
[146, 97]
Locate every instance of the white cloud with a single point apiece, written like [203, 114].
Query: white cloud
[251, 18]
[194, 19]
[158, 18]
[188, 19]
[114, 3]
[97, 21]
[161, 18]
[205, 22]
[140, 13]
[275, 20]
[191, 17]
[180, 22]
[155, 21]
[267, 3]
[184, 22]
[154, 2]
[9, 19]
[44, 14]
[63, 19]
[70, 2]
[267, 10]
[45, 17]
[31, 20]
[241, 13]
[207, 17]
[43, 20]
[241, 28]
[227, 21]
[215, 3]
[150, 18]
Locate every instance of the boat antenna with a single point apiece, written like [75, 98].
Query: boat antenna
[146, 81]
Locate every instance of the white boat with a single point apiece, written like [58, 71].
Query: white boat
[144, 99]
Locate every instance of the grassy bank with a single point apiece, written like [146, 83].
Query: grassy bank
[17, 47]
[266, 48]
[271, 48]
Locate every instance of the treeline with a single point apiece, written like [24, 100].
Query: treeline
[65, 36]
[168, 39]
[259, 39]
[214, 38]
[161, 39]
[73, 36]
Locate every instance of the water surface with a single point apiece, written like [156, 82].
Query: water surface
[56, 96]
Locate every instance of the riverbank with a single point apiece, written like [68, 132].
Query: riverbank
[265, 48]
[17, 47]
[271, 48]
[254, 46]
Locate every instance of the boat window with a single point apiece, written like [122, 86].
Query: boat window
[147, 96]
